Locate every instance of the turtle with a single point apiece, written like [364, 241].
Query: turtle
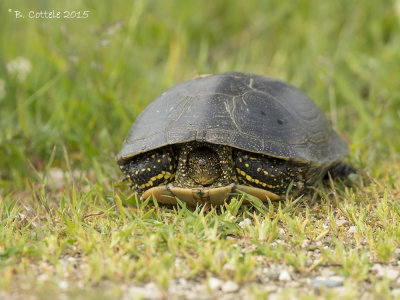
[207, 138]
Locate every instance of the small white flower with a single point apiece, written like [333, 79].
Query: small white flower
[2, 89]
[19, 67]
[246, 222]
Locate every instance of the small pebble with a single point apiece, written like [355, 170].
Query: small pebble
[396, 292]
[229, 268]
[270, 288]
[274, 296]
[352, 229]
[230, 287]
[326, 282]
[214, 283]
[42, 278]
[382, 271]
[305, 243]
[284, 276]
[341, 222]
[63, 284]
[326, 272]
[271, 274]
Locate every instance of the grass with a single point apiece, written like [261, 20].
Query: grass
[67, 227]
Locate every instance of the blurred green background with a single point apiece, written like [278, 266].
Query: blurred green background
[79, 83]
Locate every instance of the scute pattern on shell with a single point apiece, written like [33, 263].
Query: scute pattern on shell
[245, 111]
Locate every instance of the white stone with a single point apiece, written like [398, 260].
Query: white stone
[382, 271]
[284, 276]
[274, 296]
[43, 277]
[396, 292]
[270, 288]
[391, 274]
[326, 272]
[352, 229]
[305, 243]
[55, 178]
[229, 268]
[230, 287]
[150, 291]
[341, 222]
[181, 281]
[326, 282]
[214, 283]
[63, 284]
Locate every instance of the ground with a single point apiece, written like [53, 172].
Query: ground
[70, 88]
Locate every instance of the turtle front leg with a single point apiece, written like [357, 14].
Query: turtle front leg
[269, 173]
[150, 169]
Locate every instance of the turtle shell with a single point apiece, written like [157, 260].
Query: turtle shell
[246, 111]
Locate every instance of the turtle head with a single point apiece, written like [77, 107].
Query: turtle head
[203, 166]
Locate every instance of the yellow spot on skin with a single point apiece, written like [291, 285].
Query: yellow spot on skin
[148, 169]
[247, 165]
[240, 159]
[143, 170]
[158, 160]
[137, 172]
[248, 177]
[265, 172]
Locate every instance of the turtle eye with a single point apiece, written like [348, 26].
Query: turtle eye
[280, 121]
